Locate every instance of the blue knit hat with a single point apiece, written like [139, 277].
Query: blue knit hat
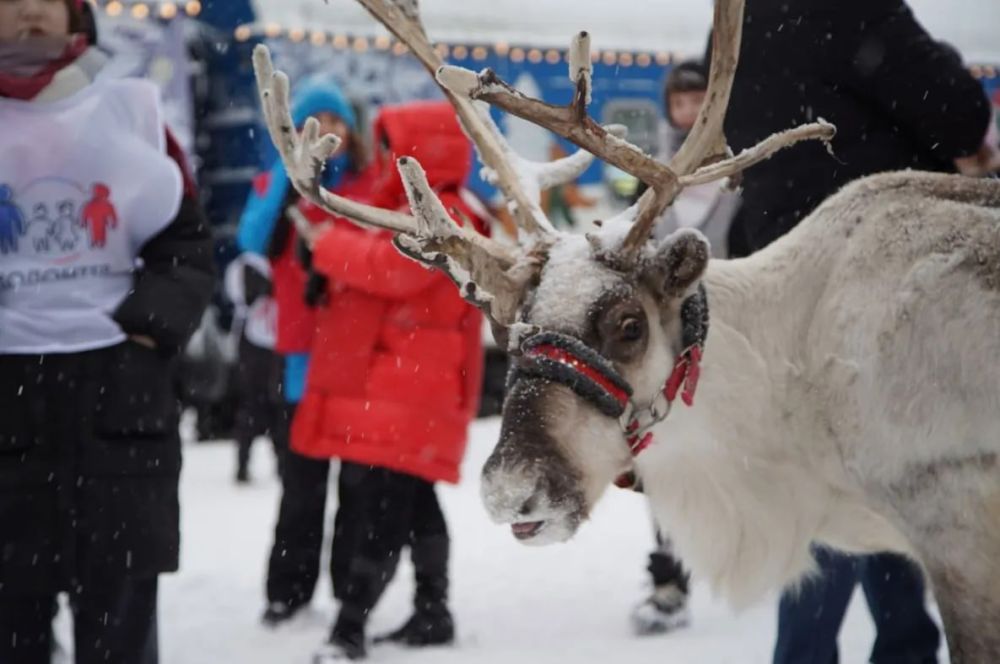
[313, 95]
[317, 94]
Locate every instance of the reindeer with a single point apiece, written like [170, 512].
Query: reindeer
[847, 384]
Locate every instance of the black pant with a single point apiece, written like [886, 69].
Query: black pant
[260, 408]
[293, 567]
[665, 568]
[809, 620]
[112, 624]
[390, 508]
[384, 511]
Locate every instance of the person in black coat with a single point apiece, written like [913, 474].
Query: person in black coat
[109, 276]
[899, 100]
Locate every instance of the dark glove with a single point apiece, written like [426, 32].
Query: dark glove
[303, 254]
[255, 285]
[316, 289]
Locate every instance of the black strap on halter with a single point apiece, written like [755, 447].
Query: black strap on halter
[694, 318]
[565, 359]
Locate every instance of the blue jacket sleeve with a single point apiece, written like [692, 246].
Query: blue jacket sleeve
[262, 212]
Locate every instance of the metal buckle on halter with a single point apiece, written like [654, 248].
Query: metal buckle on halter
[644, 419]
[625, 419]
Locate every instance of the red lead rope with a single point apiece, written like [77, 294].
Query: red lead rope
[687, 370]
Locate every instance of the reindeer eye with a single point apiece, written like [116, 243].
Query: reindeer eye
[630, 328]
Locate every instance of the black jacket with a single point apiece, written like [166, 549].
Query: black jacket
[89, 449]
[899, 100]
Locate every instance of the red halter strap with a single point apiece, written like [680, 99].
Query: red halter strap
[571, 360]
[566, 359]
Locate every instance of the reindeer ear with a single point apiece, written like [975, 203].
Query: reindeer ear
[679, 262]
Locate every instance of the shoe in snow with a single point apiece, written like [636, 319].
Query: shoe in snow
[344, 645]
[242, 476]
[424, 628]
[664, 611]
[279, 613]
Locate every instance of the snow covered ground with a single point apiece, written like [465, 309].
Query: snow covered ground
[566, 603]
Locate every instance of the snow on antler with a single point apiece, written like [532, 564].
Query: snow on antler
[479, 263]
[534, 176]
[580, 67]
[432, 218]
[492, 286]
[565, 121]
[305, 154]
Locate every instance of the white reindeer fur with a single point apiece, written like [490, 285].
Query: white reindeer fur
[843, 356]
[846, 357]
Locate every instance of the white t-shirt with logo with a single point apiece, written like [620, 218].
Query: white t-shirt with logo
[85, 182]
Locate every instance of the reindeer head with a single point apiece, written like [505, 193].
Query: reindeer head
[607, 307]
[598, 334]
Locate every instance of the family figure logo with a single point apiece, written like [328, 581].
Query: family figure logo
[12, 224]
[53, 217]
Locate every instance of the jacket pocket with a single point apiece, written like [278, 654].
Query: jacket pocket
[135, 396]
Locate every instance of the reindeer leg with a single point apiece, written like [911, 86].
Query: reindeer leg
[970, 613]
[951, 512]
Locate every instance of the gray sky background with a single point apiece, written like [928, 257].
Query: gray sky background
[973, 26]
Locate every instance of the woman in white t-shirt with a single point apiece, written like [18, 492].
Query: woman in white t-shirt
[105, 268]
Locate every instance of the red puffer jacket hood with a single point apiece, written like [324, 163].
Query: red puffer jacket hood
[429, 132]
[396, 362]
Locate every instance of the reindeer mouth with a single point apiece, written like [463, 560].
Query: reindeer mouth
[526, 530]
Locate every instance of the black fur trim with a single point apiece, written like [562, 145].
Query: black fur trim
[694, 319]
[694, 330]
[536, 366]
[580, 350]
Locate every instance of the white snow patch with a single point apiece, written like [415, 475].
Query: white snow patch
[580, 64]
[564, 603]
[571, 282]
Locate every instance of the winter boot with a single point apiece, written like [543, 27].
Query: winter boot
[665, 610]
[431, 623]
[428, 626]
[347, 641]
[279, 613]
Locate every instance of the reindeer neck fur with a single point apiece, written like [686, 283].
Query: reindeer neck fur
[748, 477]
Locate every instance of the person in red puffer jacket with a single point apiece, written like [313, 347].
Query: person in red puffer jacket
[393, 383]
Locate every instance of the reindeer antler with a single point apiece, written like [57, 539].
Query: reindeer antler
[520, 180]
[487, 273]
[705, 143]
[490, 275]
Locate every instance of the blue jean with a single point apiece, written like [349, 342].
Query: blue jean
[809, 620]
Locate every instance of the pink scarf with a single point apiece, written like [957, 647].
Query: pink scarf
[28, 67]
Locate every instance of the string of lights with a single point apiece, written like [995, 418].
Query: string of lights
[169, 10]
[149, 10]
[477, 52]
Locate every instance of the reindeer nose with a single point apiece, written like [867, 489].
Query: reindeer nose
[508, 493]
